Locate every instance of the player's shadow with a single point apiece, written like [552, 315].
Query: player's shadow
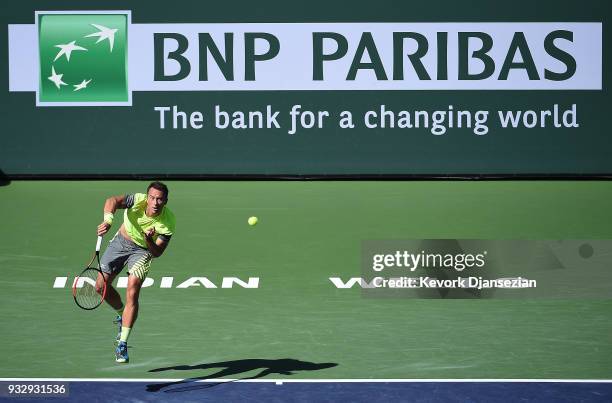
[283, 366]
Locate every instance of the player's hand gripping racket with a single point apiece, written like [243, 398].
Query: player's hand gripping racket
[84, 287]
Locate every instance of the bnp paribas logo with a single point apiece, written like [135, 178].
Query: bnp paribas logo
[83, 58]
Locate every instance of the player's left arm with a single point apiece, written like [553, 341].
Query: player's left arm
[155, 246]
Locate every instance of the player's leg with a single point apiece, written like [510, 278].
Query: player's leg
[112, 297]
[139, 263]
[111, 263]
[130, 313]
[138, 269]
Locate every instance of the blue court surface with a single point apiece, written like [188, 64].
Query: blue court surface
[325, 391]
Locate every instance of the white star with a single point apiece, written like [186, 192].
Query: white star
[66, 49]
[104, 33]
[82, 85]
[56, 78]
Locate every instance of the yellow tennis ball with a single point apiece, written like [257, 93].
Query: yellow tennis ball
[252, 221]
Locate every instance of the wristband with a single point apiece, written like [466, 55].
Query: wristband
[108, 218]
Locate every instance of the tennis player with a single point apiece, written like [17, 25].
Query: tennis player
[148, 225]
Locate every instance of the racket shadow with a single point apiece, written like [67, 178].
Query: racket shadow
[283, 366]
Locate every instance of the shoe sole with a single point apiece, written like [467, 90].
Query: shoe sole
[122, 360]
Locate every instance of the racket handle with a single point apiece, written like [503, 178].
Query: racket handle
[98, 244]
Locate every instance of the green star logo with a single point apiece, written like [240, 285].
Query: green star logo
[83, 59]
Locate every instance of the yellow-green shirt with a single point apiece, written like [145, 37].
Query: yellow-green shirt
[135, 220]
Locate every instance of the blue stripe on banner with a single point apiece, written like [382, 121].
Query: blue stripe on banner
[338, 391]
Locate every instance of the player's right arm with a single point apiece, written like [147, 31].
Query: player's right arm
[110, 206]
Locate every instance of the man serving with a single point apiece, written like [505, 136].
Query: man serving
[147, 227]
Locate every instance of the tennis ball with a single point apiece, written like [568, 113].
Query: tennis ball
[252, 221]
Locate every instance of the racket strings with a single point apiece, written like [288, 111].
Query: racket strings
[85, 292]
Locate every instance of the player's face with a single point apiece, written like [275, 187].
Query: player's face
[155, 201]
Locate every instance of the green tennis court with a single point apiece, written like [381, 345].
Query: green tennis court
[307, 232]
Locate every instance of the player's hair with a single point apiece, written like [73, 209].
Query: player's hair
[159, 186]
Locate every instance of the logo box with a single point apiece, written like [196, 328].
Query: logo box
[83, 58]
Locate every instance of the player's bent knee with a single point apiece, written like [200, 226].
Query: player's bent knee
[133, 291]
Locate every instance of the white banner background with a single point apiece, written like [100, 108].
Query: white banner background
[292, 68]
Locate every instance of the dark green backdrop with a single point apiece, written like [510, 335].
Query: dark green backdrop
[101, 140]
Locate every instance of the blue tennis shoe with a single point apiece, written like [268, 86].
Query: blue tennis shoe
[121, 353]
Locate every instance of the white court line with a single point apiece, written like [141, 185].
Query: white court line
[270, 380]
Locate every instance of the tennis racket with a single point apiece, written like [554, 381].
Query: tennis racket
[84, 287]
